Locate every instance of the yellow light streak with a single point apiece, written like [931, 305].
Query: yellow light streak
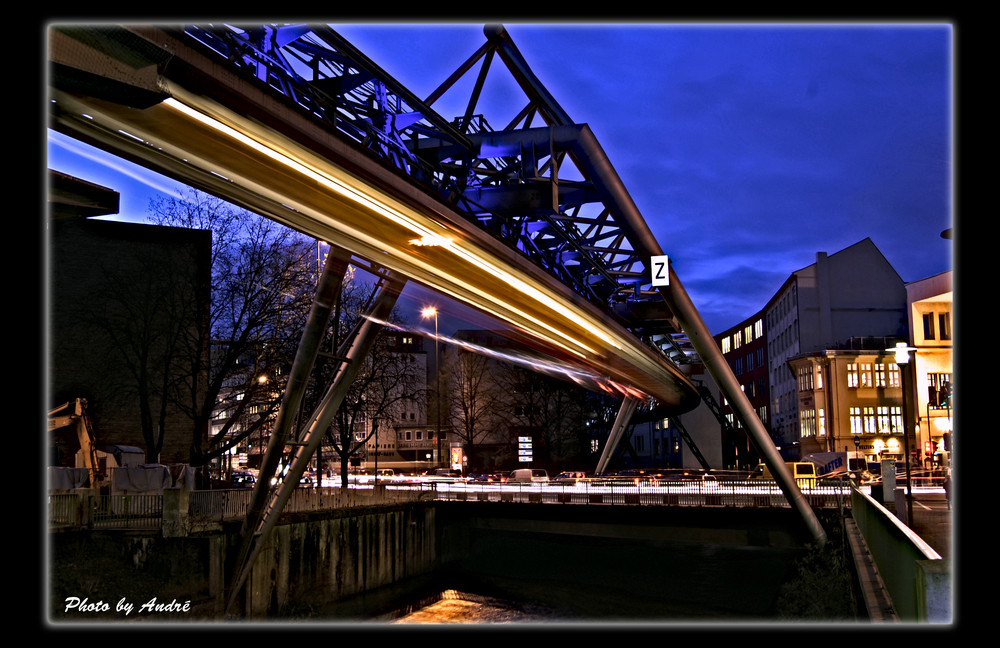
[426, 236]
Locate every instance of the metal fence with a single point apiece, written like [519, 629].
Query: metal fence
[133, 511]
[145, 511]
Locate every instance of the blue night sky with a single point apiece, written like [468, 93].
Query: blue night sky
[748, 148]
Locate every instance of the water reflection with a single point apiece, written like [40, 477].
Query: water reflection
[460, 607]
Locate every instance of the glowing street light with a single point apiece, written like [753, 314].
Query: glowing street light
[901, 353]
[430, 311]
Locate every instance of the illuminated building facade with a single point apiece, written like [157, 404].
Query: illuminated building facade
[929, 302]
[852, 294]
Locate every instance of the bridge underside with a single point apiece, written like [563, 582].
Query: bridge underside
[271, 160]
[147, 95]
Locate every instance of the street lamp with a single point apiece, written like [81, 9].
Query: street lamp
[902, 357]
[430, 311]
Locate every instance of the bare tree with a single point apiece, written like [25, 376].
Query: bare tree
[547, 409]
[142, 316]
[474, 399]
[260, 288]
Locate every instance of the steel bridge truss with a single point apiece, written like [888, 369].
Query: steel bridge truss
[546, 191]
[514, 183]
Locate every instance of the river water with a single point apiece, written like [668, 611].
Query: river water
[454, 607]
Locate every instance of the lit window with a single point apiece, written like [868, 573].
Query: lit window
[871, 423]
[880, 378]
[866, 375]
[857, 423]
[852, 375]
[807, 423]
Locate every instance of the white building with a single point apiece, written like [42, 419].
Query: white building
[929, 304]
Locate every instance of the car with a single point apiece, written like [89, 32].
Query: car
[568, 477]
[528, 475]
[242, 479]
[442, 475]
[491, 478]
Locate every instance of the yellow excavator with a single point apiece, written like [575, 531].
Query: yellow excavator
[75, 413]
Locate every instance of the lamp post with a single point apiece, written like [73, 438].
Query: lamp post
[902, 357]
[429, 312]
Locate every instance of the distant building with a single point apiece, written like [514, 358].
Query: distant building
[745, 348]
[410, 439]
[97, 269]
[853, 293]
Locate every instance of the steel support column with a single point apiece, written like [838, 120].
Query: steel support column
[614, 437]
[329, 286]
[355, 349]
[594, 163]
[703, 342]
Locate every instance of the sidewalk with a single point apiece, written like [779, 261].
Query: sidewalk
[932, 520]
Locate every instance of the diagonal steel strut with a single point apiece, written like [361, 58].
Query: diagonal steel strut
[614, 437]
[305, 357]
[354, 351]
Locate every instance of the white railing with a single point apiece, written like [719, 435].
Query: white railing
[143, 511]
[757, 493]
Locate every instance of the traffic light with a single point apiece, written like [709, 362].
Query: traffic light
[945, 394]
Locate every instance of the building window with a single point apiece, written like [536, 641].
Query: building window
[807, 423]
[758, 329]
[880, 379]
[748, 331]
[870, 422]
[820, 422]
[852, 375]
[866, 375]
[725, 344]
[893, 375]
[944, 325]
[938, 386]
[805, 378]
[884, 422]
[737, 339]
[857, 423]
[928, 326]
